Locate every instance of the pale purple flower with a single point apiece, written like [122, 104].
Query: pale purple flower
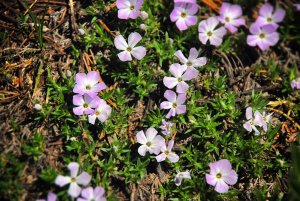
[184, 15]
[208, 32]
[166, 127]
[267, 15]
[253, 122]
[181, 175]
[88, 84]
[74, 189]
[174, 103]
[181, 74]
[262, 36]
[51, 197]
[295, 83]
[266, 119]
[129, 48]
[102, 112]
[221, 174]
[90, 194]
[167, 153]
[231, 16]
[129, 9]
[85, 104]
[151, 142]
[193, 61]
[297, 5]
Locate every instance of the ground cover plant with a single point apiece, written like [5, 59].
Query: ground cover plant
[149, 100]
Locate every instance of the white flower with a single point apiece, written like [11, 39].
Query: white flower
[151, 142]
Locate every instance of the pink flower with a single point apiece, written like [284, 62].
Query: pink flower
[88, 84]
[184, 15]
[231, 16]
[167, 153]
[266, 119]
[267, 16]
[129, 9]
[207, 31]
[102, 112]
[181, 74]
[174, 103]
[151, 142]
[297, 5]
[295, 83]
[166, 127]
[85, 104]
[51, 197]
[221, 174]
[181, 175]
[185, 1]
[89, 194]
[192, 61]
[253, 122]
[262, 36]
[74, 189]
[129, 48]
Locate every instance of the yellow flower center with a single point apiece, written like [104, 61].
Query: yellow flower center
[129, 49]
[88, 87]
[167, 152]
[227, 19]
[73, 180]
[85, 105]
[97, 113]
[269, 19]
[219, 175]
[262, 35]
[132, 7]
[189, 64]
[174, 105]
[209, 33]
[148, 144]
[183, 15]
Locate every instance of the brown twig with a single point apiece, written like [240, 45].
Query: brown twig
[106, 28]
[286, 116]
[30, 7]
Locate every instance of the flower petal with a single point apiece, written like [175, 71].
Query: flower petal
[120, 43]
[182, 87]
[230, 178]
[84, 178]
[62, 180]
[133, 39]
[88, 193]
[139, 52]
[170, 82]
[151, 133]
[93, 77]
[170, 96]
[173, 157]
[181, 99]
[221, 187]
[74, 190]
[211, 179]
[142, 150]
[180, 56]
[124, 13]
[125, 56]
[161, 157]
[73, 167]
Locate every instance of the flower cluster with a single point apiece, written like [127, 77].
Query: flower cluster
[86, 101]
[263, 30]
[260, 120]
[295, 83]
[76, 182]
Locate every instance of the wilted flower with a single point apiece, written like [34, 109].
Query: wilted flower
[180, 175]
[167, 153]
[262, 36]
[295, 83]
[181, 74]
[129, 48]
[184, 15]
[85, 103]
[51, 197]
[192, 61]
[88, 84]
[174, 103]
[166, 127]
[231, 16]
[267, 16]
[207, 31]
[151, 142]
[129, 9]
[102, 112]
[221, 174]
[74, 189]
[90, 194]
[252, 122]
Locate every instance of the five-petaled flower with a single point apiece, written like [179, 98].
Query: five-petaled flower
[166, 127]
[51, 197]
[192, 61]
[253, 122]
[184, 15]
[88, 84]
[151, 142]
[85, 104]
[262, 36]
[174, 103]
[181, 74]
[90, 194]
[129, 9]
[167, 153]
[129, 48]
[231, 16]
[102, 112]
[267, 15]
[207, 31]
[221, 174]
[181, 175]
[74, 189]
